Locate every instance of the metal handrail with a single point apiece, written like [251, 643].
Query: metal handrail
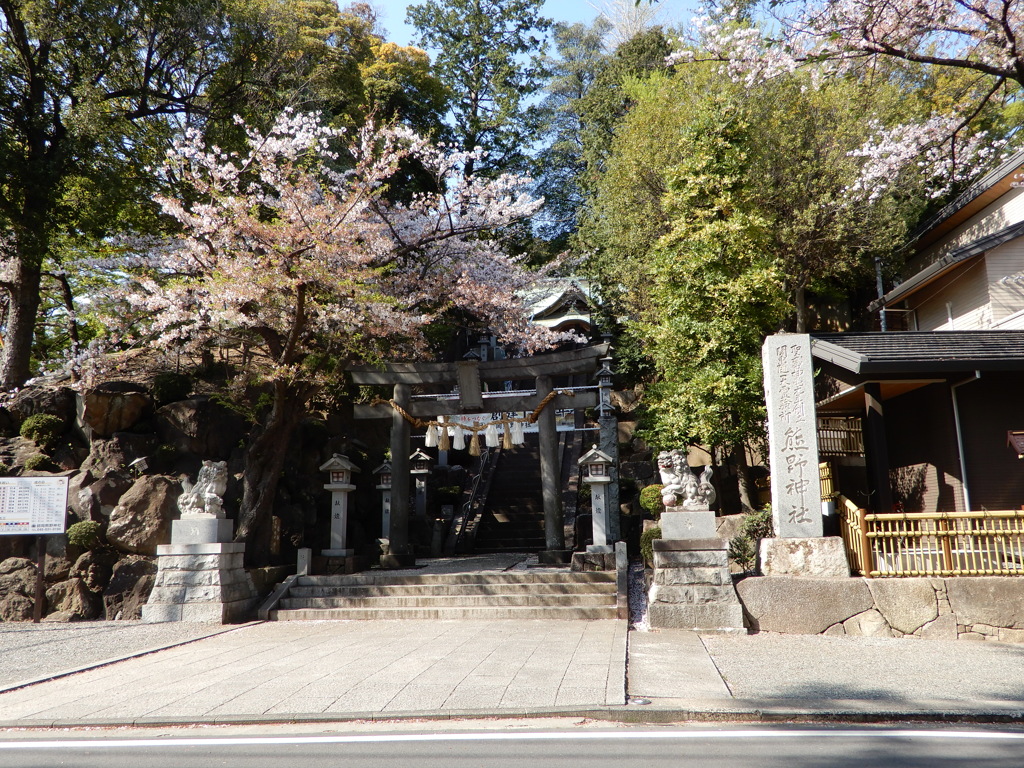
[479, 486]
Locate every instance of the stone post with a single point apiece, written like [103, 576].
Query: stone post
[792, 436]
[608, 431]
[799, 548]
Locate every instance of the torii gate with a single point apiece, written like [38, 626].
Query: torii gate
[469, 376]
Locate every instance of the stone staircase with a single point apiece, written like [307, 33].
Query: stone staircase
[540, 594]
[513, 520]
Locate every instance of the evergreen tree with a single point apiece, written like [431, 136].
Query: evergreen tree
[488, 55]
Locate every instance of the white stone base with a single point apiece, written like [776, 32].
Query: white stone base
[201, 530]
[200, 582]
[820, 557]
[688, 524]
[600, 549]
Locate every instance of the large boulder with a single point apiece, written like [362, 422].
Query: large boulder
[81, 503]
[992, 600]
[72, 600]
[17, 589]
[202, 427]
[906, 604]
[129, 588]
[118, 452]
[80, 598]
[109, 489]
[116, 406]
[56, 401]
[60, 558]
[800, 605]
[142, 518]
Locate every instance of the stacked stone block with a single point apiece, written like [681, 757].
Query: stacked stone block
[200, 581]
[692, 587]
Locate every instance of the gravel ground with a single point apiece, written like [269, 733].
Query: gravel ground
[877, 669]
[31, 651]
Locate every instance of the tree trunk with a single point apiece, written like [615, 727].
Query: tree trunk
[264, 461]
[800, 300]
[21, 322]
[739, 456]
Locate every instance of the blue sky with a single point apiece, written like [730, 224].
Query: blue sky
[393, 14]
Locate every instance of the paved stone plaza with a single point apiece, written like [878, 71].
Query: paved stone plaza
[343, 667]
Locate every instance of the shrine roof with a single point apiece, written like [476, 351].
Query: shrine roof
[902, 352]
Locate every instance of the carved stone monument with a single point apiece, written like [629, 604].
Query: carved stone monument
[200, 574]
[692, 587]
[792, 436]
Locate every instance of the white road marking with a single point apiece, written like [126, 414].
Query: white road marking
[214, 741]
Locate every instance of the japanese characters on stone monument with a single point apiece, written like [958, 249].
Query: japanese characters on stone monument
[792, 436]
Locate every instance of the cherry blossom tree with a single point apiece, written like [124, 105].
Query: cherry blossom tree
[295, 252]
[978, 35]
[842, 37]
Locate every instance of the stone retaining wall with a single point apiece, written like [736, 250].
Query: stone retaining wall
[966, 608]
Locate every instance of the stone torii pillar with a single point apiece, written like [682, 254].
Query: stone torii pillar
[554, 515]
[400, 552]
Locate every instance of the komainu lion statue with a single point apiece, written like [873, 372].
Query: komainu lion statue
[206, 497]
[681, 486]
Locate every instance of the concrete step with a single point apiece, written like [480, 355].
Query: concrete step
[491, 546]
[531, 594]
[441, 590]
[480, 577]
[450, 601]
[445, 614]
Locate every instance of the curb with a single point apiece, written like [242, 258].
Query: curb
[628, 714]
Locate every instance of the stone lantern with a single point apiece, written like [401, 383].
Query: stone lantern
[383, 473]
[596, 465]
[419, 464]
[339, 470]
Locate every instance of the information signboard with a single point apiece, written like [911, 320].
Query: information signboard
[33, 505]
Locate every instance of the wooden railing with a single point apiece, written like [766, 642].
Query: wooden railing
[840, 436]
[932, 544]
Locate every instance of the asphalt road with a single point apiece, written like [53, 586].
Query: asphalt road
[596, 746]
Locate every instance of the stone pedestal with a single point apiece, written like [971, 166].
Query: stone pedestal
[680, 523]
[692, 587]
[819, 557]
[200, 580]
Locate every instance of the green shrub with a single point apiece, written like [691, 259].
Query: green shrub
[170, 387]
[650, 499]
[39, 461]
[5, 470]
[756, 525]
[85, 534]
[743, 552]
[647, 544]
[42, 428]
